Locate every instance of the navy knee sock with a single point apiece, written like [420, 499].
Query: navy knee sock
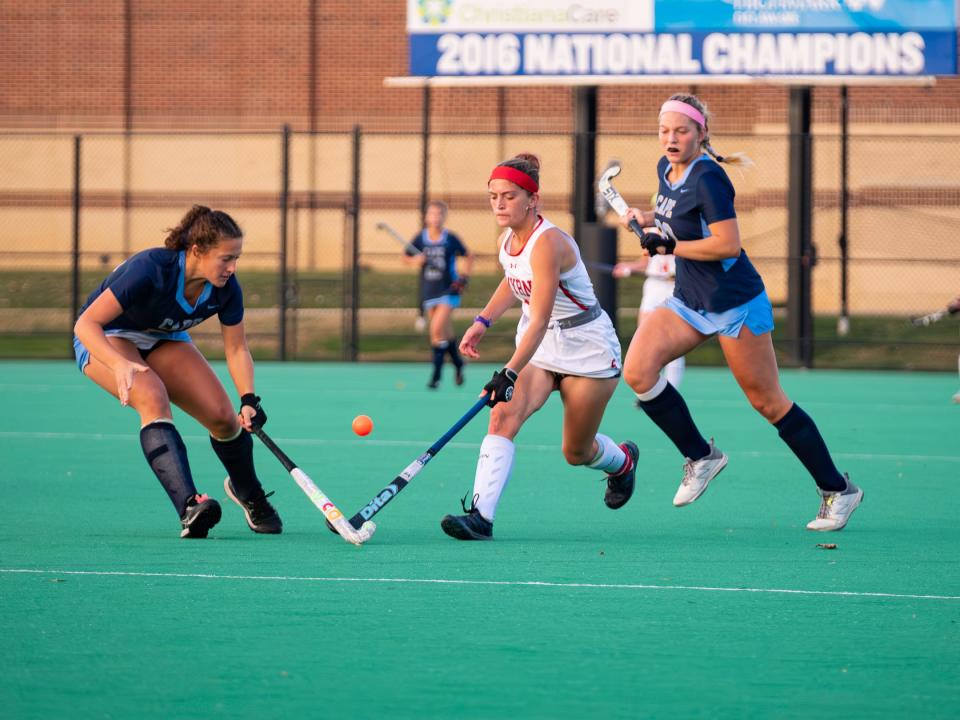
[237, 457]
[454, 352]
[439, 350]
[165, 452]
[671, 414]
[801, 435]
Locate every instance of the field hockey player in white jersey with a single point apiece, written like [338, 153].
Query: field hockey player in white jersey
[660, 272]
[565, 342]
[718, 292]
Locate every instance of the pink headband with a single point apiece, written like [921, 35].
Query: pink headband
[517, 177]
[685, 109]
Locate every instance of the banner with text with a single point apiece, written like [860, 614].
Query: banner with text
[882, 38]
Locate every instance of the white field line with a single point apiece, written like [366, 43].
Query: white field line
[424, 444]
[497, 583]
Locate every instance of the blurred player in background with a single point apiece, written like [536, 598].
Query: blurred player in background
[131, 340]
[718, 292]
[658, 285]
[565, 342]
[435, 251]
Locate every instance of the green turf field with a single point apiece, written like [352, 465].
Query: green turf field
[724, 609]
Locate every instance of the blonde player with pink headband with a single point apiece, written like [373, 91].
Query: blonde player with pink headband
[565, 342]
[717, 292]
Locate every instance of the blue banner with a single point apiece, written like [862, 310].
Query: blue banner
[872, 38]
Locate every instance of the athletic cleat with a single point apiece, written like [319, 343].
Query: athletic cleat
[620, 487]
[836, 508]
[459, 379]
[201, 514]
[956, 397]
[261, 515]
[433, 384]
[472, 526]
[697, 474]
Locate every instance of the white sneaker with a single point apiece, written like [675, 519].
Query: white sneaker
[836, 508]
[956, 397]
[697, 474]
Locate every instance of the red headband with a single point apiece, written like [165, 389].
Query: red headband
[518, 177]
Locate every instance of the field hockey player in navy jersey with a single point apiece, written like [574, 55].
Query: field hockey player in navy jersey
[435, 249]
[717, 292]
[131, 340]
[565, 342]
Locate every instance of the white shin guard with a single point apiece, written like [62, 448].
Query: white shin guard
[493, 473]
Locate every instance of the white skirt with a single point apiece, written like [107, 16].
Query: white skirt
[590, 350]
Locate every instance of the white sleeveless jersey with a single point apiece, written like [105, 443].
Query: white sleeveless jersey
[574, 292]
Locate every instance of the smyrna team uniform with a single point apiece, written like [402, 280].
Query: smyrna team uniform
[580, 338]
[149, 288]
[439, 267]
[717, 296]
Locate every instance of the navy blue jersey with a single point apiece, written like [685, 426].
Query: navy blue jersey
[149, 288]
[440, 264]
[703, 196]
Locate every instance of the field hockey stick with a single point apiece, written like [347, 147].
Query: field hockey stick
[602, 267]
[403, 479]
[614, 199]
[930, 318]
[398, 237]
[335, 519]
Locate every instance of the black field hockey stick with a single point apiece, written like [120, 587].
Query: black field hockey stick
[383, 497]
[335, 520]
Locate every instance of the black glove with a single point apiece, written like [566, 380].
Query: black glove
[500, 387]
[656, 244]
[254, 401]
[457, 286]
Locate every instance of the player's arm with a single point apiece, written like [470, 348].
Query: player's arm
[545, 261]
[723, 243]
[626, 269]
[501, 301]
[240, 365]
[413, 253]
[89, 330]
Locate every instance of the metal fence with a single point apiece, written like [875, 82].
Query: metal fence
[322, 276]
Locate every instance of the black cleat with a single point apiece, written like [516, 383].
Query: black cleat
[433, 384]
[472, 526]
[459, 379]
[201, 514]
[261, 515]
[620, 487]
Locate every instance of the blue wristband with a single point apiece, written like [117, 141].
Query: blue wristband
[483, 321]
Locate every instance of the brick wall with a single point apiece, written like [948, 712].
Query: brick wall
[198, 65]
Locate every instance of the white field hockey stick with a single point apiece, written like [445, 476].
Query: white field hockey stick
[398, 237]
[930, 318]
[614, 199]
[335, 518]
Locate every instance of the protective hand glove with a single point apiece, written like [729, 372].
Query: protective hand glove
[656, 244]
[253, 401]
[458, 285]
[500, 387]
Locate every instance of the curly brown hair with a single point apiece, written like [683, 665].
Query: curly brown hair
[203, 228]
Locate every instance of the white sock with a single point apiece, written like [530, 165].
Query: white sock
[674, 371]
[610, 459]
[493, 472]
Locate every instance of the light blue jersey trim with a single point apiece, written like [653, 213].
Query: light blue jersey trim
[686, 173]
[181, 300]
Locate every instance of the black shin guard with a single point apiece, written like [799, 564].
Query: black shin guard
[454, 353]
[671, 414]
[165, 452]
[237, 457]
[439, 350]
[801, 435]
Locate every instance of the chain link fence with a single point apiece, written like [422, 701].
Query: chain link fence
[322, 271]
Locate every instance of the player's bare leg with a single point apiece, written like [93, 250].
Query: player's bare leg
[162, 444]
[530, 392]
